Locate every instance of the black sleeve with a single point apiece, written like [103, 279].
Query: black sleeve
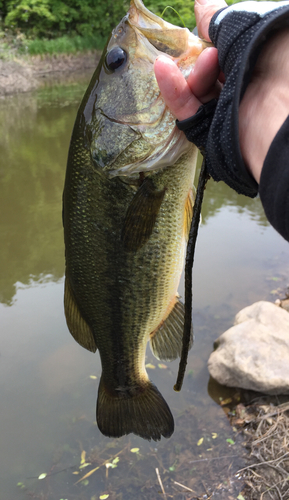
[274, 182]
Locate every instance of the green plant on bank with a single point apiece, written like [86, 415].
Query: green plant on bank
[56, 26]
[61, 45]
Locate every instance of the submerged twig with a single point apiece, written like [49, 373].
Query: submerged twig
[54, 473]
[161, 483]
[183, 486]
[203, 178]
[212, 458]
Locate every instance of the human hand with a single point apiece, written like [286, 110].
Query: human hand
[184, 97]
[252, 39]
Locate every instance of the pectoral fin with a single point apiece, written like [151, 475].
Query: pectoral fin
[141, 215]
[77, 326]
[166, 341]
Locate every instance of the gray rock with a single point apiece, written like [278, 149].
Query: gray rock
[254, 354]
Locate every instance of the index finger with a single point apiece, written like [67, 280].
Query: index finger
[174, 89]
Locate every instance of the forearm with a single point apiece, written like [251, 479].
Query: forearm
[265, 105]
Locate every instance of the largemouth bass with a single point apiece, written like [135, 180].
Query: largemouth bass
[127, 210]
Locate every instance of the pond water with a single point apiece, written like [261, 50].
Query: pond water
[48, 383]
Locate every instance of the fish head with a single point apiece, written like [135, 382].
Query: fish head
[123, 118]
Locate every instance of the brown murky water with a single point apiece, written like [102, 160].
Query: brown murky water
[48, 383]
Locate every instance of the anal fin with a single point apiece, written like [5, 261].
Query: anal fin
[141, 215]
[77, 326]
[189, 210]
[166, 341]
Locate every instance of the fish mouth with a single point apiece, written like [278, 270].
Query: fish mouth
[176, 42]
[144, 19]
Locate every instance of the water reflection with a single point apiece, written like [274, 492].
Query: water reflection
[34, 138]
[219, 196]
[47, 394]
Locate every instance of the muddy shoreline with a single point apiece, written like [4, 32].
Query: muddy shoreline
[27, 74]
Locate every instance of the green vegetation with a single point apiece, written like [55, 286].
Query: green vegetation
[56, 26]
[185, 9]
[61, 45]
[51, 18]
[53, 26]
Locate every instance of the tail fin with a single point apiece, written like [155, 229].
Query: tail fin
[146, 414]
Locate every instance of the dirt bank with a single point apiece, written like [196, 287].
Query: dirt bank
[24, 75]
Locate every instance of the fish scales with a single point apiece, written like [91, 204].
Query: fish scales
[127, 205]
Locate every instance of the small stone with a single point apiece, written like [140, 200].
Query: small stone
[254, 354]
[285, 304]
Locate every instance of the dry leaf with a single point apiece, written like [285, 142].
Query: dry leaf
[226, 401]
[83, 455]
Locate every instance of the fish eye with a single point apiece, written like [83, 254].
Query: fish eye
[115, 58]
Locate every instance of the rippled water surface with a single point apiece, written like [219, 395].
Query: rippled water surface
[48, 383]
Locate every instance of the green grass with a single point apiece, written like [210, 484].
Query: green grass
[61, 45]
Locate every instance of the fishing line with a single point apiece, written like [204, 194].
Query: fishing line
[203, 178]
[170, 7]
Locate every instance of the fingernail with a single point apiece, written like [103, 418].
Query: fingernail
[164, 58]
[201, 2]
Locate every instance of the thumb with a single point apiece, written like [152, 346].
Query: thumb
[204, 11]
